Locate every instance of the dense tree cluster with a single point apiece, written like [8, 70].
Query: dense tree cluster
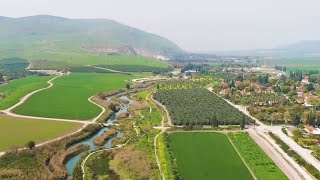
[281, 68]
[186, 84]
[198, 107]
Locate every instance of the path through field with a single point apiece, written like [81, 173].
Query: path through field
[23, 99]
[111, 70]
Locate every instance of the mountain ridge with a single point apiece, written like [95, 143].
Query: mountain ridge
[98, 32]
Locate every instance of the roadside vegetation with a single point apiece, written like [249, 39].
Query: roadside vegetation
[311, 169]
[262, 166]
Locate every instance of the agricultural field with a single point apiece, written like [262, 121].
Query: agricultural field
[63, 60]
[206, 156]
[13, 64]
[11, 92]
[198, 107]
[188, 84]
[136, 68]
[13, 68]
[68, 98]
[303, 61]
[88, 69]
[305, 69]
[261, 165]
[18, 131]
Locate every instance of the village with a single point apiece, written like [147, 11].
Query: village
[278, 97]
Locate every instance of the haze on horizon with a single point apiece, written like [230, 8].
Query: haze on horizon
[198, 26]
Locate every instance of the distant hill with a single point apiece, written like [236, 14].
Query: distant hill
[102, 35]
[311, 48]
[302, 48]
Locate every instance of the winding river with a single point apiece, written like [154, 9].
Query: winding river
[72, 162]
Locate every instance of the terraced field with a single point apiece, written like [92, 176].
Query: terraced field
[11, 93]
[207, 156]
[18, 131]
[68, 98]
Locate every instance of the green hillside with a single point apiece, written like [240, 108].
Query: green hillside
[49, 36]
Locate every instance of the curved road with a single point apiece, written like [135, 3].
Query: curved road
[23, 99]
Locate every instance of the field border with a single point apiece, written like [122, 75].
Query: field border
[245, 163]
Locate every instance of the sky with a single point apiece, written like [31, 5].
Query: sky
[195, 25]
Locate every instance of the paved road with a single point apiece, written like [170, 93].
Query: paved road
[286, 163]
[304, 153]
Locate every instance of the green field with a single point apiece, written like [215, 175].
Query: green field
[303, 68]
[68, 98]
[18, 131]
[62, 60]
[135, 68]
[261, 165]
[298, 61]
[11, 93]
[207, 156]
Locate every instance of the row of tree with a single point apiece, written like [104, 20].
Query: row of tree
[199, 107]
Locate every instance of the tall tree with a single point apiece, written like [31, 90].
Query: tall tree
[243, 122]
[296, 120]
[1, 78]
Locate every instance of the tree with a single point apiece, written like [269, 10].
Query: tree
[242, 123]
[300, 77]
[309, 87]
[297, 120]
[215, 122]
[1, 78]
[285, 89]
[30, 144]
[311, 118]
[158, 86]
[128, 86]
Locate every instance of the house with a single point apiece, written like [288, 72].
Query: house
[305, 80]
[312, 130]
[223, 84]
[300, 100]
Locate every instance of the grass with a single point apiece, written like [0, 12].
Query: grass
[298, 61]
[135, 68]
[207, 156]
[303, 68]
[88, 69]
[15, 89]
[18, 131]
[60, 59]
[261, 165]
[68, 98]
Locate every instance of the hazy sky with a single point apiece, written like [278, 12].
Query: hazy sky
[195, 25]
